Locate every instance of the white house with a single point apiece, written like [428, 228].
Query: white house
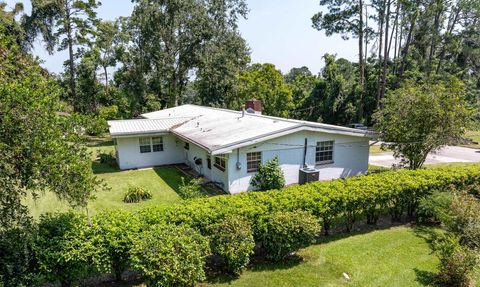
[225, 146]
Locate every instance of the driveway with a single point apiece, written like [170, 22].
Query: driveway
[444, 155]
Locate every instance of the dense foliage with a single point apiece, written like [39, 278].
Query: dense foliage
[169, 255]
[190, 189]
[283, 233]
[268, 176]
[418, 119]
[232, 240]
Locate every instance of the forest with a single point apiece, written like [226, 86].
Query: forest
[174, 52]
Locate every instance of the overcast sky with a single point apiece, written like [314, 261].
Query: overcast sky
[277, 31]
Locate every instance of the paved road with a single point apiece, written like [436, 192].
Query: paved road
[445, 155]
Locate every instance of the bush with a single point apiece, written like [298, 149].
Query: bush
[136, 194]
[394, 192]
[107, 158]
[269, 176]
[190, 190]
[434, 208]
[283, 233]
[465, 220]
[232, 240]
[114, 233]
[18, 266]
[63, 252]
[457, 263]
[169, 255]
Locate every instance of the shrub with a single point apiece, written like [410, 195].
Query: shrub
[269, 176]
[18, 266]
[465, 220]
[136, 194]
[394, 192]
[114, 233]
[434, 208]
[62, 250]
[107, 158]
[169, 255]
[232, 240]
[457, 263]
[283, 233]
[190, 190]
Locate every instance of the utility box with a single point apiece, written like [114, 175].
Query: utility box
[308, 175]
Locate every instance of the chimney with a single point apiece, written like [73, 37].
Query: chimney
[254, 105]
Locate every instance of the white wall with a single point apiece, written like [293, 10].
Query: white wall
[129, 156]
[350, 158]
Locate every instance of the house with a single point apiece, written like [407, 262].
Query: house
[226, 146]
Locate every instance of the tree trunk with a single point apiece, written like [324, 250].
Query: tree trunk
[106, 80]
[407, 44]
[381, 15]
[385, 54]
[447, 34]
[68, 29]
[360, 59]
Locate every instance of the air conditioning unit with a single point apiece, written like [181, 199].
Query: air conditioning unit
[308, 175]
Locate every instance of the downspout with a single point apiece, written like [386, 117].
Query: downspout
[305, 154]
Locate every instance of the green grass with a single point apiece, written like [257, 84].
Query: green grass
[397, 256]
[376, 149]
[475, 136]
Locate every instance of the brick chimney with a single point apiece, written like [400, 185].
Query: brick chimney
[255, 105]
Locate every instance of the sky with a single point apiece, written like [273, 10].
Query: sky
[277, 31]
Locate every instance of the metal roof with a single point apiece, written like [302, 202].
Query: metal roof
[142, 126]
[220, 130]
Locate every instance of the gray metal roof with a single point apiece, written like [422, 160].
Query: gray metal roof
[142, 126]
[220, 130]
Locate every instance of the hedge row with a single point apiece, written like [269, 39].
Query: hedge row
[344, 200]
[157, 240]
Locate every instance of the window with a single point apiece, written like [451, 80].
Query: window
[253, 160]
[157, 144]
[151, 144]
[324, 152]
[209, 161]
[186, 146]
[220, 163]
[145, 145]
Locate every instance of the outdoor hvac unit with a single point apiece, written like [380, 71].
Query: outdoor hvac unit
[308, 175]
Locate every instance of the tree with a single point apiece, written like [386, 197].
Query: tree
[41, 150]
[169, 38]
[220, 63]
[108, 36]
[88, 86]
[420, 118]
[64, 24]
[302, 83]
[264, 82]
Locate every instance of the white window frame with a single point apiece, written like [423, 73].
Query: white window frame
[254, 158]
[219, 166]
[145, 142]
[322, 148]
[144, 146]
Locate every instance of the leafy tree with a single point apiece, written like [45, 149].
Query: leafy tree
[264, 82]
[269, 176]
[302, 83]
[220, 63]
[169, 38]
[419, 119]
[89, 90]
[40, 149]
[64, 24]
[108, 36]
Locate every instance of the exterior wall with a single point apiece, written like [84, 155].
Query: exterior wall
[213, 173]
[350, 157]
[129, 156]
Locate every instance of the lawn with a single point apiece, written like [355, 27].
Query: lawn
[398, 256]
[475, 136]
[163, 182]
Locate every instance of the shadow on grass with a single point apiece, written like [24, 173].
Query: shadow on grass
[99, 168]
[171, 176]
[426, 278]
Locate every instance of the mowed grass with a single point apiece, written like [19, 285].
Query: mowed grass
[163, 182]
[475, 136]
[399, 256]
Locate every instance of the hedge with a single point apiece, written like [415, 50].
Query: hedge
[343, 200]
